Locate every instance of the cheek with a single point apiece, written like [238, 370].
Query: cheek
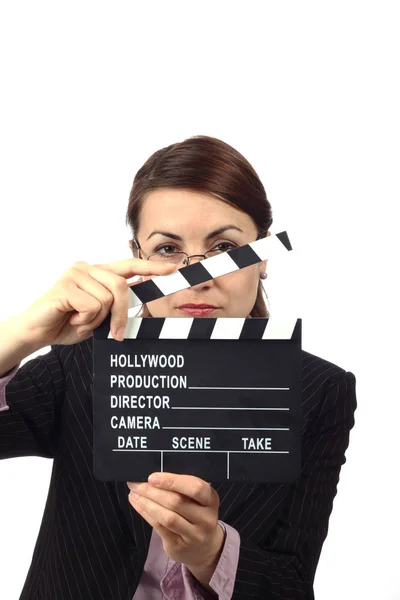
[241, 283]
[248, 276]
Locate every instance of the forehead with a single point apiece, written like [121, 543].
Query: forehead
[178, 209]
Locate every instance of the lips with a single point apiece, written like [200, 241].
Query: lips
[197, 310]
[197, 306]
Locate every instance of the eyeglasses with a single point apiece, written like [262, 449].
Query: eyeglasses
[179, 257]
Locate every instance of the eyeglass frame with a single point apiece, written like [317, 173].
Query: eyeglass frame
[182, 252]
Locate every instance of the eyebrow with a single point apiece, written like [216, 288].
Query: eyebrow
[209, 236]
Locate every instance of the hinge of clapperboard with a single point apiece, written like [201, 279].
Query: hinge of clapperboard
[281, 327]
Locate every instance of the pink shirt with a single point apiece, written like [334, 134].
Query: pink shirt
[160, 573]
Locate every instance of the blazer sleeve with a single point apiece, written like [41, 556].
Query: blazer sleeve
[281, 564]
[35, 396]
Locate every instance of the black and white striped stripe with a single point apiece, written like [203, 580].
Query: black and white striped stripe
[261, 328]
[209, 268]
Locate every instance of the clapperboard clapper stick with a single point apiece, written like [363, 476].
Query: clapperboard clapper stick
[209, 268]
[216, 398]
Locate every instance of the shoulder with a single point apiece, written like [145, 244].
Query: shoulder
[313, 367]
[326, 386]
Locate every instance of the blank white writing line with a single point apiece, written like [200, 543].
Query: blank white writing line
[236, 388]
[209, 451]
[221, 408]
[234, 428]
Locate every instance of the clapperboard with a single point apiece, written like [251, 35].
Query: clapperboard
[215, 398]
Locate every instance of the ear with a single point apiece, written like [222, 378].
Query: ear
[263, 264]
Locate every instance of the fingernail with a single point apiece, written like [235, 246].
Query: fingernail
[120, 333]
[154, 479]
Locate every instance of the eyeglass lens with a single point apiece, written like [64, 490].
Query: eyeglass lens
[180, 257]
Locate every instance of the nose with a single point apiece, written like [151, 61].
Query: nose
[205, 285]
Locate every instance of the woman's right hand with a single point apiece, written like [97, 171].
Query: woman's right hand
[81, 299]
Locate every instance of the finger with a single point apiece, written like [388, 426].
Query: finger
[190, 510]
[188, 485]
[108, 291]
[169, 519]
[137, 266]
[102, 296]
[162, 531]
[118, 290]
[71, 298]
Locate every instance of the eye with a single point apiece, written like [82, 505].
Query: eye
[224, 246]
[166, 249]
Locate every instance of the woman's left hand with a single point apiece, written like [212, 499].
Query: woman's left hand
[183, 509]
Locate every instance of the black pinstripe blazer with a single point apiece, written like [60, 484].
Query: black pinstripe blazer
[92, 545]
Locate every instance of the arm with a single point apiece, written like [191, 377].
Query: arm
[4, 379]
[31, 397]
[216, 582]
[13, 349]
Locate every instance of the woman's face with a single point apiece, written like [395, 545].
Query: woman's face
[194, 223]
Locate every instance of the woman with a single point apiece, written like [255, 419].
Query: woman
[175, 536]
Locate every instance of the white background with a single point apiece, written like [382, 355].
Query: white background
[309, 93]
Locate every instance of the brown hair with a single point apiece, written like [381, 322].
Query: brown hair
[208, 165]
